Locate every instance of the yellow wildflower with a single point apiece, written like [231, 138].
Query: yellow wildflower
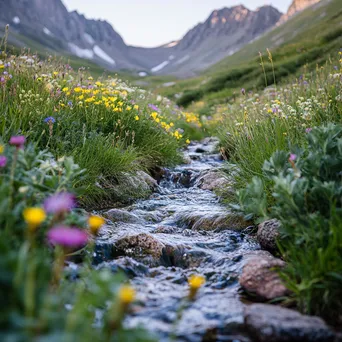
[65, 89]
[187, 141]
[195, 283]
[128, 108]
[34, 217]
[137, 118]
[126, 294]
[95, 223]
[2, 148]
[136, 107]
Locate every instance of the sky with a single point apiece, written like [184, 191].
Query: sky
[152, 23]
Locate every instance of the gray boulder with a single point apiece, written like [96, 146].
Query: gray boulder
[270, 323]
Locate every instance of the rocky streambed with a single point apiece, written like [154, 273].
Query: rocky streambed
[183, 229]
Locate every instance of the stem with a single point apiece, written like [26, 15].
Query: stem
[30, 280]
[58, 266]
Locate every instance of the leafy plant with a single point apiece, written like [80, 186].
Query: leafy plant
[306, 187]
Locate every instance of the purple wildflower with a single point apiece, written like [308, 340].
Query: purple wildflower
[2, 80]
[67, 236]
[50, 120]
[293, 157]
[243, 91]
[18, 141]
[308, 130]
[335, 67]
[59, 203]
[3, 161]
[155, 108]
[70, 103]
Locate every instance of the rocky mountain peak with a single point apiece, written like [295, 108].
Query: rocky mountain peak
[297, 6]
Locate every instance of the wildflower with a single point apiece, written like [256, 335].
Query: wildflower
[50, 120]
[2, 148]
[3, 161]
[18, 141]
[243, 91]
[195, 283]
[308, 130]
[34, 217]
[67, 236]
[136, 107]
[95, 223]
[70, 103]
[155, 108]
[137, 118]
[292, 157]
[187, 141]
[154, 115]
[126, 295]
[59, 203]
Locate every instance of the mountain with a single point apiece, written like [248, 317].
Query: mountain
[296, 7]
[222, 34]
[307, 41]
[48, 23]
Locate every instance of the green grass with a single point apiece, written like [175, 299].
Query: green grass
[107, 125]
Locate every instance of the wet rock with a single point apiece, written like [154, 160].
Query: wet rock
[158, 173]
[164, 230]
[211, 220]
[270, 323]
[181, 256]
[214, 180]
[268, 233]
[119, 215]
[182, 178]
[144, 177]
[139, 245]
[149, 216]
[129, 266]
[260, 279]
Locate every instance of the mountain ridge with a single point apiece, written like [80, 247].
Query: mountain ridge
[224, 32]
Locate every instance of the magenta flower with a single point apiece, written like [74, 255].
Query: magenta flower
[59, 203]
[293, 157]
[3, 161]
[308, 130]
[18, 141]
[67, 236]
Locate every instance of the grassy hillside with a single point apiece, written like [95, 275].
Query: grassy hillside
[308, 39]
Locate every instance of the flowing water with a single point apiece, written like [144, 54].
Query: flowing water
[175, 217]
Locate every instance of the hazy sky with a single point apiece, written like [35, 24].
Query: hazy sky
[155, 22]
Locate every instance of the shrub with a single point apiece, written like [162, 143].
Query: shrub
[306, 187]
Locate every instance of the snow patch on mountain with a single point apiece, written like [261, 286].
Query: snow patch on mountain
[79, 52]
[160, 66]
[16, 20]
[47, 31]
[183, 59]
[103, 55]
[89, 39]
